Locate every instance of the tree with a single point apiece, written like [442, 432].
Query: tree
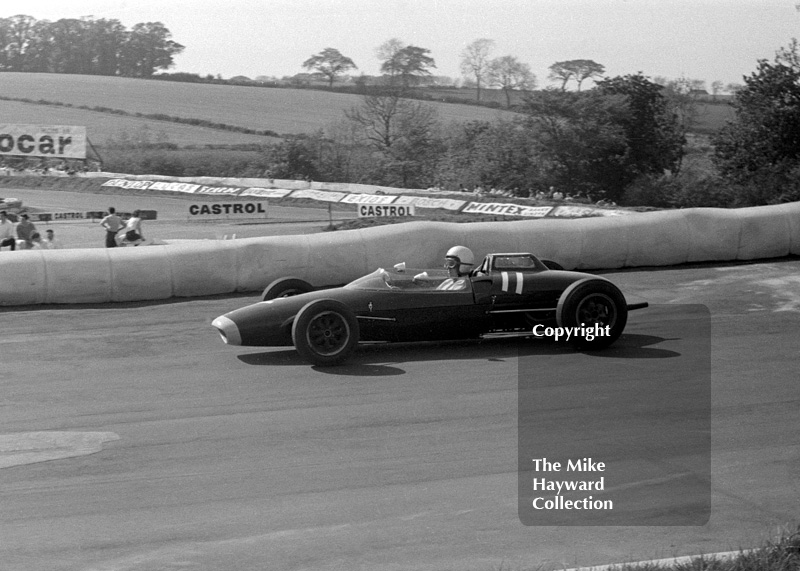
[652, 128]
[605, 138]
[409, 65]
[330, 63]
[388, 49]
[19, 32]
[580, 141]
[402, 135]
[683, 95]
[716, 88]
[578, 69]
[510, 74]
[475, 62]
[148, 48]
[760, 148]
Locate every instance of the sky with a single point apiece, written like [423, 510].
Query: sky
[708, 40]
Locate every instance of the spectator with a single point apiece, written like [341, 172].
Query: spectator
[25, 231]
[133, 229]
[112, 223]
[50, 242]
[7, 232]
[36, 242]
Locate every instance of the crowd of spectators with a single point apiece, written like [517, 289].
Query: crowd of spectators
[23, 235]
[36, 166]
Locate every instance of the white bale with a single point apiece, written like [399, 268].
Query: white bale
[23, 279]
[765, 232]
[604, 242]
[487, 237]
[259, 261]
[713, 234]
[656, 238]
[78, 276]
[793, 213]
[203, 268]
[418, 244]
[558, 240]
[142, 273]
[340, 254]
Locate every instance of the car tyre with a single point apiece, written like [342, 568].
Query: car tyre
[593, 301]
[286, 287]
[325, 332]
[551, 265]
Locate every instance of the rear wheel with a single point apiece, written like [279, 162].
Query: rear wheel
[325, 332]
[592, 305]
[286, 287]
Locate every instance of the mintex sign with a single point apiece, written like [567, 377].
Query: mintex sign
[228, 210]
[387, 211]
[46, 141]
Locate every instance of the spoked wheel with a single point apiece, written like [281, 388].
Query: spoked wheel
[593, 304]
[285, 287]
[325, 332]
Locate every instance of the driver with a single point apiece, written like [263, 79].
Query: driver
[458, 261]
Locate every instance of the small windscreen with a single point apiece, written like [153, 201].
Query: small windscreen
[514, 262]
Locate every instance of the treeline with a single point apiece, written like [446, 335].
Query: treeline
[85, 46]
[590, 144]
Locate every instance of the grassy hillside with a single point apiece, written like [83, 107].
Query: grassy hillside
[279, 110]
[103, 126]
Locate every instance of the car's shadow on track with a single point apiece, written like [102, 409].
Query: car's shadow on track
[376, 360]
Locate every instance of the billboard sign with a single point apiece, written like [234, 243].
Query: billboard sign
[45, 141]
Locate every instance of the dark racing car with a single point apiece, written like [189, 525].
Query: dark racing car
[513, 292]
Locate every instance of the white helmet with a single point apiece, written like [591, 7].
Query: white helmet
[464, 256]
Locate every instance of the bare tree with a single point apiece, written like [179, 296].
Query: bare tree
[475, 62]
[509, 74]
[401, 131]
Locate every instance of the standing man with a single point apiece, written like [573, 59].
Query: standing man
[112, 223]
[25, 231]
[7, 232]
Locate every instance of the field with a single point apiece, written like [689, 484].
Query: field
[103, 126]
[284, 111]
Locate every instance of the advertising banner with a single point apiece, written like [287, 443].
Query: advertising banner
[128, 184]
[228, 210]
[266, 192]
[45, 141]
[368, 199]
[322, 195]
[384, 211]
[425, 202]
[505, 209]
[584, 211]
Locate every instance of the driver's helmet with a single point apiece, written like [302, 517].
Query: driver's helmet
[461, 258]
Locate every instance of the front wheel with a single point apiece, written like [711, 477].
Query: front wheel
[325, 332]
[285, 287]
[596, 311]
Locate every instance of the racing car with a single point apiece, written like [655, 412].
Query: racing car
[507, 292]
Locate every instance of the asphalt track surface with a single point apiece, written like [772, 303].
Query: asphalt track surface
[132, 438]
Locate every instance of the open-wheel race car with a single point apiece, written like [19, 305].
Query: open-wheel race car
[507, 292]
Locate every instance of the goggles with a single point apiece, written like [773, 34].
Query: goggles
[450, 262]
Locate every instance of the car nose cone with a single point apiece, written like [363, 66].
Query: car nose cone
[227, 330]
